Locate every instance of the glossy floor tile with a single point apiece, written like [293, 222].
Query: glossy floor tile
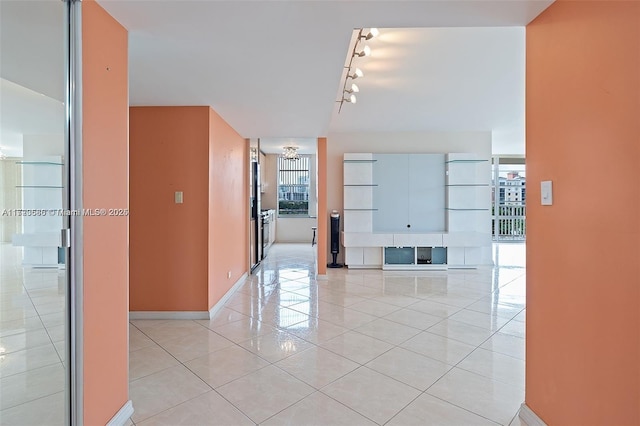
[361, 347]
[32, 342]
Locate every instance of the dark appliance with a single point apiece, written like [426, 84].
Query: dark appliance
[266, 221]
[255, 223]
[335, 239]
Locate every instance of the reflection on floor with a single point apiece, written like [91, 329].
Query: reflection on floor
[32, 339]
[362, 347]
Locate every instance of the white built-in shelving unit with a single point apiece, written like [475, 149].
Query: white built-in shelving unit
[416, 211]
[42, 193]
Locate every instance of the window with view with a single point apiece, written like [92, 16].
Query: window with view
[293, 186]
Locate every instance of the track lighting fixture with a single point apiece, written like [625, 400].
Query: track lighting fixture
[366, 51]
[355, 72]
[373, 32]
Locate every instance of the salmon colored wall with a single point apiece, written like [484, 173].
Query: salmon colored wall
[169, 152]
[323, 223]
[583, 253]
[105, 185]
[228, 206]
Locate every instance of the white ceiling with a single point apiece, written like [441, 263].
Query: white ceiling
[32, 74]
[32, 48]
[441, 79]
[273, 69]
[276, 145]
[25, 112]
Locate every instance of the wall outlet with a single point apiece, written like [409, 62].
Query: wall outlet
[229, 274]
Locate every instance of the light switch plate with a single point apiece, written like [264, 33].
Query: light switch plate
[546, 193]
[178, 197]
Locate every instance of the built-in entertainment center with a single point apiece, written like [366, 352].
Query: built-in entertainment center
[416, 211]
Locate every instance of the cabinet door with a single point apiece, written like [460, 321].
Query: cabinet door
[372, 256]
[354, 256]
[426, 193]
[391, 195]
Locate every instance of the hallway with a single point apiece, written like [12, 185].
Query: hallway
[363, 347]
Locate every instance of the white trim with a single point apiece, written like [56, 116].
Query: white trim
[74, 201]
[189, 315]
[220, 303]
[322, 277]
[124, 414]
[367, 267]
[168, 315]
[530, 418]
[413, 267]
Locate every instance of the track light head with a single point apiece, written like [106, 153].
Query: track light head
[354, 89]
[357, 73]
[351, 99]
[366, 51]
[373, 32]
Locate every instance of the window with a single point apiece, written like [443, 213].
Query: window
[293, 186]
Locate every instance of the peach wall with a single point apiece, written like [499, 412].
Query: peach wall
[105, 185]
[323, 222]
[583, 253]
[228, 207]
[169, 244]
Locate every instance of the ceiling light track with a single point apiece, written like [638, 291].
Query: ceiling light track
[355, 72]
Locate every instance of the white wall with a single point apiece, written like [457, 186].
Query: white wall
[35, 146]
[10, 198]
[295, 229]
[397, 142]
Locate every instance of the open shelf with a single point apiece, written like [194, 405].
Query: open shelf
[482, 185]
[467, 161]
[415, 258]
[467, 210]
[39, 163]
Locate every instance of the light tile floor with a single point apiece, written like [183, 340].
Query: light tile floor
[32, 342]
[362, 347]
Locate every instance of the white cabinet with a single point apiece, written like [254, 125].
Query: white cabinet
[408, 195]
[363, 257]
[424, 240]
[366, 239]
[464, 257]
[272, 226]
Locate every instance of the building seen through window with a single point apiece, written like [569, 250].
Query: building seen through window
[293, 186]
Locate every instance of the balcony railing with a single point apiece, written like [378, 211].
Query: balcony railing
[509, 222]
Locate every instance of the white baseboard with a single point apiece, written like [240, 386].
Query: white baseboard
[322, 277]
[529, 417]
[124, 414]
[188, 315]
[168, 315]
[220, 303]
